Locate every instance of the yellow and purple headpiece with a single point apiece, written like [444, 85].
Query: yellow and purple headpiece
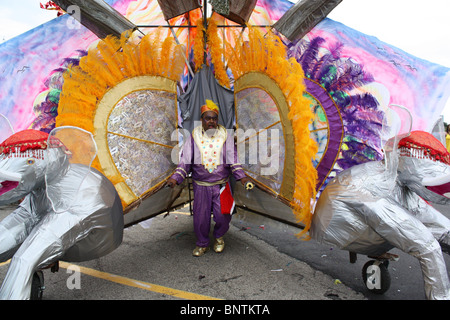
[210, 106]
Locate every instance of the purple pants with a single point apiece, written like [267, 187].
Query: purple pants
[207, 200]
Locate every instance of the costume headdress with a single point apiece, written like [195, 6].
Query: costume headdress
[210, 106]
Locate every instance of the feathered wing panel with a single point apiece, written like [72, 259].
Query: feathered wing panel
[124, 92]
[270, 87]
[358, 76]
[349, 133]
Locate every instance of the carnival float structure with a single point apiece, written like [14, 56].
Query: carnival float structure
[308, 98]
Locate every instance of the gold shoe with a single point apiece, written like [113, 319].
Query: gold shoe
[199, 251]
[219, 245]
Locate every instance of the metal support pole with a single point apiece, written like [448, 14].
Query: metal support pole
[184, 55]
[205, 25]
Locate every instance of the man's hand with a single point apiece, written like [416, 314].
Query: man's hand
[171, 183]
[245, 180]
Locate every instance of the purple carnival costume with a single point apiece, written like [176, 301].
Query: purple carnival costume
[211, 159]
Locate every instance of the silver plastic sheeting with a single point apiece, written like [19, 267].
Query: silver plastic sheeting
[361, 211]
[41, 231]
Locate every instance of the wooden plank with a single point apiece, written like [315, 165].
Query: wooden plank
[240, 10]
[97, 16]
[174, 8]
[304, 16]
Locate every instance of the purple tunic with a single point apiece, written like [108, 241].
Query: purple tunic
[207, 197]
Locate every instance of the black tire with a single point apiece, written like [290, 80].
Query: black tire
[37, 286]
[376, 276]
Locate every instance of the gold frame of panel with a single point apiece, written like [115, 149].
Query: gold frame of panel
[264, 82]
[112, 69]
[105, 106]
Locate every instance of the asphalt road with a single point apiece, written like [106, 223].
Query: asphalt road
[263, 261]
[155, 262]
[406, 276]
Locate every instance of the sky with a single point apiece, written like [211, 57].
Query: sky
[420, 28]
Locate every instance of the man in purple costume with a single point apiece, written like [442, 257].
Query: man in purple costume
[211, 155]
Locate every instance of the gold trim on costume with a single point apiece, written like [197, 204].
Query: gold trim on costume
[209, 184]
[179, 173]
[185, 173]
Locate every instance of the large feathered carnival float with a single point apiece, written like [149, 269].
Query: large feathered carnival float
[306, 97]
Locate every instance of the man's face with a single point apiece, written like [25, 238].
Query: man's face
[209, 120]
